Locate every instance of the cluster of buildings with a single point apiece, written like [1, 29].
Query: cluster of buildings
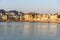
[15, 16]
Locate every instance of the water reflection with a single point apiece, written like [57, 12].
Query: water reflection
[29, 31]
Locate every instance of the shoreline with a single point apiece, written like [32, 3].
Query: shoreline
[32, 21]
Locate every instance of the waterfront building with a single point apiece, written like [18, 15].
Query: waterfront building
[58, 17]
[21, 14]
[37, 17]
[28, 17]
[0, 17]
[44, 18]
[12, 15]
[53, 18]
[4, 17]
[2, 12]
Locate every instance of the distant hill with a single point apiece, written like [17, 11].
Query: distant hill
[14, 11]
[2, 11]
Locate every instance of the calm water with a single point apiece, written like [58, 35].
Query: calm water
[29, 31]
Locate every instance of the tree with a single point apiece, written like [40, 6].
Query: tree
[58, 16]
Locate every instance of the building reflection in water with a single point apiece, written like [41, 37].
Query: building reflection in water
[40, 30]
[3, 28]
[58, 30]
[52, 29]
[29, 31]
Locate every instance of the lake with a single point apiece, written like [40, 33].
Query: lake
[29, 31]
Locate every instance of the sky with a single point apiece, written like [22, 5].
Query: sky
[42, 6]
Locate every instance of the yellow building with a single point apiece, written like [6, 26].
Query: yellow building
[27, 17]
[53, 18]
[58, 17]
[37, 18]
[0, 14]
[0, 17]
[44, 18]
[4, 17]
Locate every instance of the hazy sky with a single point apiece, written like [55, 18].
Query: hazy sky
[31, 5]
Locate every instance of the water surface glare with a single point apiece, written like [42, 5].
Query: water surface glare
[29, 31]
